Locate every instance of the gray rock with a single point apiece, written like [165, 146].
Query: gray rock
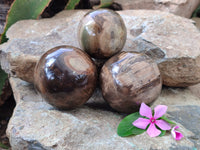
[197, 22]
[193, 120]
[37, 125]
[171, 40]
[195, 89]
[182, 8]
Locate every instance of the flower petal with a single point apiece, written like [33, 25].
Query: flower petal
[153, 131]
[141, 123]
[176, 135]
[173, 133]
[179, 135]
[159, 111]
[163, 124]
[176, 127]
[145, 110]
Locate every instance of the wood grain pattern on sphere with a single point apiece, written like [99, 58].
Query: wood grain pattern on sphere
[128, 79]
[102, 33]
[65, 76]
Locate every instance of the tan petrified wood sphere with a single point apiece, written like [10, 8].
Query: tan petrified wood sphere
[128, 79]
[65, 76]
[102, 33]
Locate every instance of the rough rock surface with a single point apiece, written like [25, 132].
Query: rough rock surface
[182, 8]
[171, 40]
[197, 22]
[195, 89]
[37, 125]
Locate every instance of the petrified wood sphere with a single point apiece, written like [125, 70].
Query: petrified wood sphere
[128, 79]
[65, 76]
[102, 33]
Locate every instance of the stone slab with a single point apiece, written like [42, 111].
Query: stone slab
[37, 125]
[197, 22]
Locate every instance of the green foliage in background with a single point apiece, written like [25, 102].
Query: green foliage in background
[72, 4]
[197, 11]
[23, 9]
[104, 4]
[3, 146]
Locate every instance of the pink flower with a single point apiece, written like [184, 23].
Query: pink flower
[154, 121]
[176, 135]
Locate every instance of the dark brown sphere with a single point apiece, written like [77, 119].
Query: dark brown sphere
[128, 79]
[65, 76]
[102, 33]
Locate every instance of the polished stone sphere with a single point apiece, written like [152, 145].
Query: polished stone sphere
[102, 33]
[128, 79]
[65, 76]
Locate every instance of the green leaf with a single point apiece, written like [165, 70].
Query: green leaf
[72, 4]
[23, 9]
[167, 120]
[126, 128]
[196, 11]
[3, 146]
[104, 4]
[3, 77]
[162, 133]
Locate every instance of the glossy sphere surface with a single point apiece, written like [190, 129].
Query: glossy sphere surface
[102, 33]
[65, 76]
[128, 79]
